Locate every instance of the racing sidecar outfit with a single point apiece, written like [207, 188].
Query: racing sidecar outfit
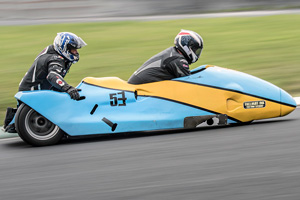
[47, 71]
[166, 65]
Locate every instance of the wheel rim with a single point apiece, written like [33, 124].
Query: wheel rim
[39, 127]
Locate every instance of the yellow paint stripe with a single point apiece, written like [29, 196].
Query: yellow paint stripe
[213, 99]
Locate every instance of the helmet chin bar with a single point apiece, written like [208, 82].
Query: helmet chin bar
[76, 58]
[193, 57]
[70, 57]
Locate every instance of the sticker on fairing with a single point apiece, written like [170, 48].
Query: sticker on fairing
[254, 104]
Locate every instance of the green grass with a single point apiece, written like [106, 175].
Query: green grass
[267, 47]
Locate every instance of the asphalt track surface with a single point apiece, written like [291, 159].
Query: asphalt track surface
[256, 161]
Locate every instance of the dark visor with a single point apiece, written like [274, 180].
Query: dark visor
[198, 51]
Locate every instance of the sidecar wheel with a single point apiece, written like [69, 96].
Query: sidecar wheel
[35, 129]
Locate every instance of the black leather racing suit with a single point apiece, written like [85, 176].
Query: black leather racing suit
[166, 65]
[47, 70]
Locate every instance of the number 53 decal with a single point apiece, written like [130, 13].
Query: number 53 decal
[118, 99]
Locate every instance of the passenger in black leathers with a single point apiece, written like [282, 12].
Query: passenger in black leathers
[49, 69]
[172, 62]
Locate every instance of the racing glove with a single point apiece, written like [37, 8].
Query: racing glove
[73, 92]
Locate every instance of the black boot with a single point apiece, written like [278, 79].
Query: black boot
[10, 113]
[10, 128]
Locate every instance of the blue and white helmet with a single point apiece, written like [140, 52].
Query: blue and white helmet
[66, 41]
[190, 44]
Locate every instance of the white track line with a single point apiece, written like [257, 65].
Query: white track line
[10, 138]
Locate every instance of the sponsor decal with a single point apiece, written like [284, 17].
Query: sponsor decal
[254, 104]
[60, 82]
[184, 65]
[58, 57]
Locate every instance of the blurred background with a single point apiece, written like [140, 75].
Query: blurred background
[49, 9]
[264, 46]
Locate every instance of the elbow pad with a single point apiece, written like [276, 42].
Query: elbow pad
[57, 80]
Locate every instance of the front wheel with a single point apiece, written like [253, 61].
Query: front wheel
[35, 129]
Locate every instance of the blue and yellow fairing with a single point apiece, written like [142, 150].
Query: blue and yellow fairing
[161, 105]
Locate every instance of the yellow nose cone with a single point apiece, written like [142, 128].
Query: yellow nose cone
[284, 110]
[288, 103]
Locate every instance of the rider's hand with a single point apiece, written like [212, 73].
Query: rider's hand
[73, 92]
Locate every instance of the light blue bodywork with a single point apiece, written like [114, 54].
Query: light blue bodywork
[142, 113]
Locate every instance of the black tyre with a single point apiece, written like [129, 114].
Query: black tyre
[35, 129]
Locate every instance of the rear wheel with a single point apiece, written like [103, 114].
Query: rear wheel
[35, 129]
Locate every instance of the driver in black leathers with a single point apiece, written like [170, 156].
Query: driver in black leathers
[52, 64]
[49, 69]
[172, 62]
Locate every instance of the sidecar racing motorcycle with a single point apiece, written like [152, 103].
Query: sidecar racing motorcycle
[111, 105]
